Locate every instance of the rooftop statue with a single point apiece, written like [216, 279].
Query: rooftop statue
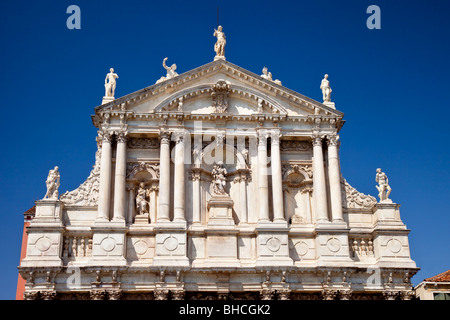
[268, 76]
[326, 89]
[171, 73]
[110, 83]
[384, 190]
[52, 183]
[219, 47]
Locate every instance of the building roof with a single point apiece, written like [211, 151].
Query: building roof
[442, 277]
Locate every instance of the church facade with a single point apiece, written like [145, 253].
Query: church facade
[216, 184]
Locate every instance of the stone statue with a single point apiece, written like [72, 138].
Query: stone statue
[110, 83]
[326, 89]
[171, 73]
[219, 178]
[219, 47]
[141, 201]
[268, 76]
[384, 190]
[260, 105]
[52, 183]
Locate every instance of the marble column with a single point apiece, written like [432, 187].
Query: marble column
[120, 177]
[335, 179]
[164, 177]
[243, 198]
[153, 206]
[263, 184]
[319, 184]
[196, 209]
[131, 204]
[104, 193]
[277, 180]
[179, 179]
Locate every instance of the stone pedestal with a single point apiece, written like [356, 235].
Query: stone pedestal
[391, 243]
[220, 208]
[221, 233]
[107, 99]
[332, 244]
[108, 245]
[330, 104]
[141, 219]
[45, 235]
[273, 244]
[171, 245]
[49, 212]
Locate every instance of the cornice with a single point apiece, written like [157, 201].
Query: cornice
[127, 101]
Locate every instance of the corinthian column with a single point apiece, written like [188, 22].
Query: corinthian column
[277, 183]
[104, 192]
[335, 179]
[164, 177]
[196, 210]
[320, 194]
[263, 185]
[179, 179]
[120, 177]
[243, 198]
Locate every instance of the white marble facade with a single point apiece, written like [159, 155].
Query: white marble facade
[149, 223]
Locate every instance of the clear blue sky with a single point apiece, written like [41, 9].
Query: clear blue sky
[392, 84]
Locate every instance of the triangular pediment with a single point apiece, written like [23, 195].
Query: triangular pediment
[192, 91]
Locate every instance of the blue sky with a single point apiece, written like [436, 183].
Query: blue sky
[392, 84]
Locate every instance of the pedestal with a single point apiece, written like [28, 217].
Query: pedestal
[332, 244]
[273, 244]
[141, 219]
[220, 208]
[221, 234]
[108, 245]
[390, 241]
[45, 235]
[171, 245]
[107, 100]
[330, 104]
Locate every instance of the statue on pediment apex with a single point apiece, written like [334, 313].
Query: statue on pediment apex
[219, 47]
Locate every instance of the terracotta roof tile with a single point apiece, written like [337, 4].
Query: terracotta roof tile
[442, 277]
[32, 210]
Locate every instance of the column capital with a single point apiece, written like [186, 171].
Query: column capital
[105, 135]
[333, 140]
[164, 135]
[179, 136]
[275, 136]
[316, 140]
[262, 136]
[122, 136]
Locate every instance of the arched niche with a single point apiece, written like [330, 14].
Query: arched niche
[297, 193]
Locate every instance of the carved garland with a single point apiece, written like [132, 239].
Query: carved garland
[133, 168]
[356, 200]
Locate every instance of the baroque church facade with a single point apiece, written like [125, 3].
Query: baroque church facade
[217, 183]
